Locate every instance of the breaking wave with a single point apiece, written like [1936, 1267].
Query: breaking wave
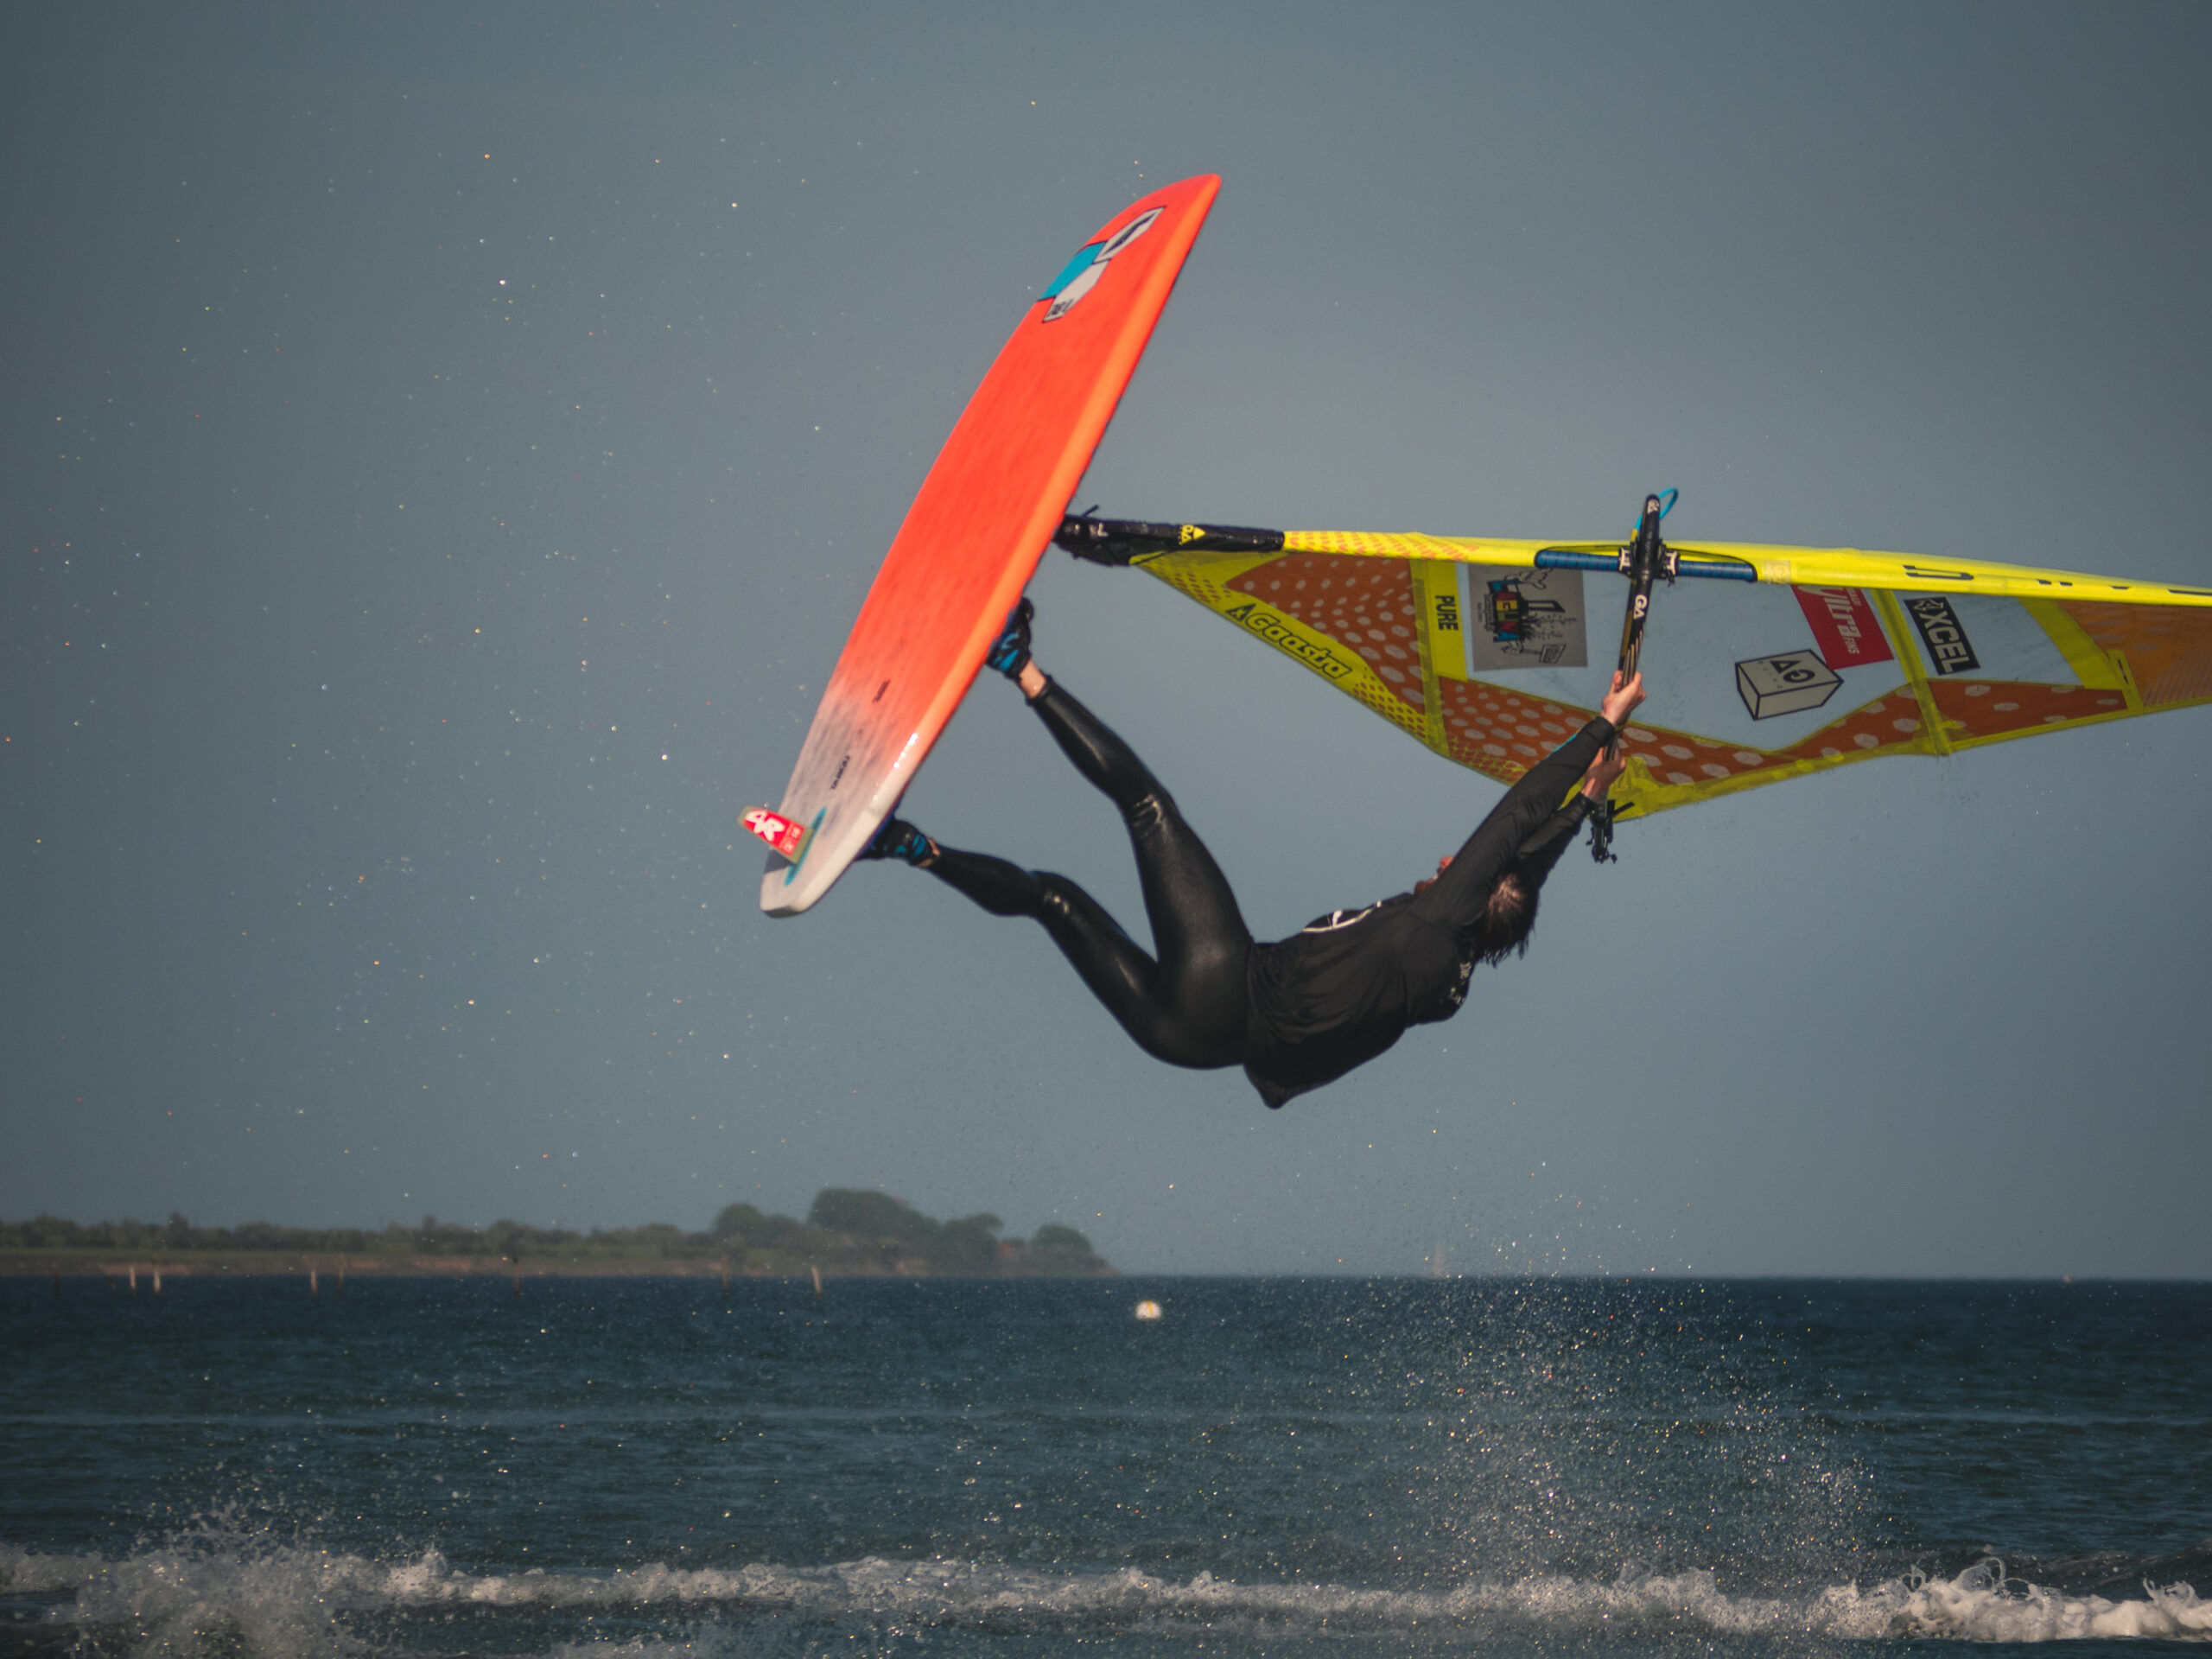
[278, 1599]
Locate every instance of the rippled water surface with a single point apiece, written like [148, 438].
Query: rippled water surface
[1274, 1467]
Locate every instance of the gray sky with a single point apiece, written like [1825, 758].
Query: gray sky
[445, 448]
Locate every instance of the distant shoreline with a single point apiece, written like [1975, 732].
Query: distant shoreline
[124, 1267]
[849, 1233]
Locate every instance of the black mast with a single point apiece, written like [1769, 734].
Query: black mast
[1645, 561]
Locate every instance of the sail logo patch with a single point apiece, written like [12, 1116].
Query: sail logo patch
[1949, 651]
[1843, 626]
[1081, 273]
[1279, 634]
[1507, 612]
[1517, 616]
[1786, 684]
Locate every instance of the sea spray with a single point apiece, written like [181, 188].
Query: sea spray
[995, 1468]
[266, 1598]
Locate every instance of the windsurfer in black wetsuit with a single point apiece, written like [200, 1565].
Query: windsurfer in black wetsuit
[1302, 1011]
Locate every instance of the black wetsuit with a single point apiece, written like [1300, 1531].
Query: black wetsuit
[1342, 991]
[1304, 1010]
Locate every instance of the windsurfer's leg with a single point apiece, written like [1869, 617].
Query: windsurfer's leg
[1003, 889]
[1197, 928]
[1114, 966]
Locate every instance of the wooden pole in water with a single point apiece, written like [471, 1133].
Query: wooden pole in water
[132, 1269]
[517, 1266]
[817, 1283]
[314, 1286]
[157, 1278]
[341, 1276]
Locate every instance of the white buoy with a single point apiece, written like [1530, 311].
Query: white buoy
[1148, 1309]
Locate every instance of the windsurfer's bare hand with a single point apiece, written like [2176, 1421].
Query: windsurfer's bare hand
[1598, 781]
[1621, 700]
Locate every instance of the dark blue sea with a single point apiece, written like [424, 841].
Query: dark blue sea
[982, 1467]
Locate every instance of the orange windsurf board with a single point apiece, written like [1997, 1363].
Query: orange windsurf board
[972, 539]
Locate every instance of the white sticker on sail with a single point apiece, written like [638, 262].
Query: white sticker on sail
[1518, 617]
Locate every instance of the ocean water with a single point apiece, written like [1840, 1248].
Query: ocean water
[979, 1468]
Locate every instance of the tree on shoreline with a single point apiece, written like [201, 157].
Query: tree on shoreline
[848, 1230]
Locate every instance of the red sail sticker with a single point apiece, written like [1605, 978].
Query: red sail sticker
[1843, 626]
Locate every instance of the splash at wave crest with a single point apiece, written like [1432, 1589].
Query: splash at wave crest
[282, 1599]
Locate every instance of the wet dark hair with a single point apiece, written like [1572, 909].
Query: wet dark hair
[1507, 919]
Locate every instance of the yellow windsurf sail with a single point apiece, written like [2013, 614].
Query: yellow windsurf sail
[1763, 662]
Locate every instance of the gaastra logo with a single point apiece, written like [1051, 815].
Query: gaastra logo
[1279, 633]
[1949, 651]
[1083, 271]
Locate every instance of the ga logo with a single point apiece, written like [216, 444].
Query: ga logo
[1083, 271]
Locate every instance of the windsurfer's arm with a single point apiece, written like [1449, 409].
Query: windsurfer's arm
[1621, 699]
[1553, 836]
[1462, 887]
[1532, 812]
[1605, 771]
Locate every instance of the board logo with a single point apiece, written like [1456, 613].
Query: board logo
[1949, 651]
[786, 834]
[1082, 272]
[1279, 634]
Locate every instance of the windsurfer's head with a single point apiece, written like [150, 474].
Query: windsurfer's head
[1507, 919]
[1507, 915]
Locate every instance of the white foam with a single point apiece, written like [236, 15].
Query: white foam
[1982, 1605]
[27, 1573]
[282, 1599]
